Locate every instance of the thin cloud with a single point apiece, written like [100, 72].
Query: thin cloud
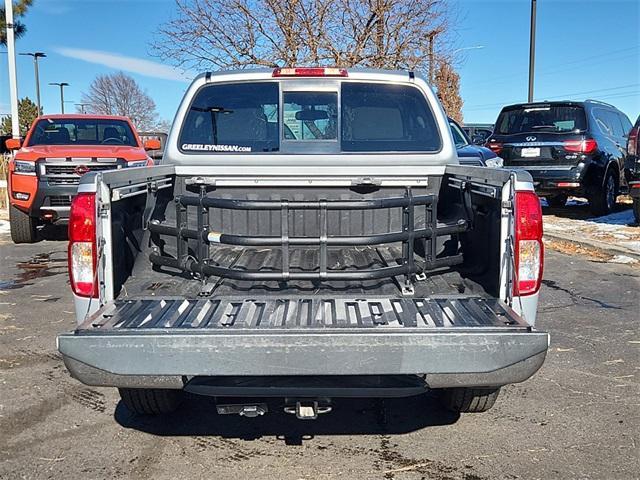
[122, 62]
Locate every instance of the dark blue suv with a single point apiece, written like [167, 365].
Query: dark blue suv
[569, 148]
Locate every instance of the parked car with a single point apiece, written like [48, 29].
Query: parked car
[3, 145]
[569, 148]
[341, 256]
[632, 169]
[57, 151]
[469, 154]
[161, 137]
[478, 132]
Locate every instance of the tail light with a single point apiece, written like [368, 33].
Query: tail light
[581, 146]
[632, 145]
[495, 147]
[82, 245]
[310, 72]
[529, 251]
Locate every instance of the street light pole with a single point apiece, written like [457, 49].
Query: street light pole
[35, 56]
[11, 58]
[532, 49]
[432, 38]
[61, 85]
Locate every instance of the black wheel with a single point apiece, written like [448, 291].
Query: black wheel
[558, 201]
[151, 401]
[22, 225]
[603, 201]
[636, 209]
[469, 400]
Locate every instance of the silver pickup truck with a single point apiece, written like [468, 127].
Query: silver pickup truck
[308, 235]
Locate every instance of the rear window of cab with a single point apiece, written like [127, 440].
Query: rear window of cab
[253, 117]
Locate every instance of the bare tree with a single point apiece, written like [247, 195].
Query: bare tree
[120, 94]
[448, 85]
[269, 33]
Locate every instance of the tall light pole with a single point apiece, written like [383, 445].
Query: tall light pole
[61, 85]
[532, 49]
[11, 57]
[36, 56]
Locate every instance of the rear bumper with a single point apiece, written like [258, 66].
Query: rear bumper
[464, 357]
[554, 179]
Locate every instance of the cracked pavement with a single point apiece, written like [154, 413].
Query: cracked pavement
[578, 417]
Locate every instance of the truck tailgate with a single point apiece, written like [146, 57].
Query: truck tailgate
[463, 340]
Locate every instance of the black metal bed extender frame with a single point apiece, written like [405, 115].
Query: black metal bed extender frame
[408, 268]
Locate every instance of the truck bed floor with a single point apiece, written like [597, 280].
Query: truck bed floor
[146, 281]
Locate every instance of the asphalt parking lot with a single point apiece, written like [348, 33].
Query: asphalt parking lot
[578, 417]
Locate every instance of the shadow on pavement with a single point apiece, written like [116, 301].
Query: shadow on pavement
[53, 232]
[197, 416]
[578, 209]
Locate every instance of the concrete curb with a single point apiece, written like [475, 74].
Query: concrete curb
[602, 246]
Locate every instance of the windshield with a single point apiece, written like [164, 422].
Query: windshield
[541, 118]
[82, 131]
[356, 117]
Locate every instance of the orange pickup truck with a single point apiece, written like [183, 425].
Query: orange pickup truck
[57, 151]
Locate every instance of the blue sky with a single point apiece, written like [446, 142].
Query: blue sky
[585, 49]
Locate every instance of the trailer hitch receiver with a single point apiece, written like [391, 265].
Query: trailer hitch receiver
[307, 409]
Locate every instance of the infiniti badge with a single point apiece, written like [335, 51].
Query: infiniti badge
[531, 139]
[81, 170]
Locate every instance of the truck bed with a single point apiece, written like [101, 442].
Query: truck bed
[231, 282]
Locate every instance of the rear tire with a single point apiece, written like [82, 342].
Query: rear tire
[636, 209]
[469, 400]
[558, 201]
[151, 401]
[603, 201]
[22, 225]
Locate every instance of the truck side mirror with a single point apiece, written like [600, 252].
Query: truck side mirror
[13, 143]
[152, 144]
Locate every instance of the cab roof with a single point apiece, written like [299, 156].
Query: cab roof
[88, 116]
[268, 73]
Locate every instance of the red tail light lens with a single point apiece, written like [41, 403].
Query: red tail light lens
[581, 146]
[82, 245]
[632, 145]
[310, 72]
[529, 251]
[495, 147]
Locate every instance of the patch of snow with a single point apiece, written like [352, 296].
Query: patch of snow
[551, 227]
[577, 202]
[4, 226]
[632, 245]
[623, 259]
